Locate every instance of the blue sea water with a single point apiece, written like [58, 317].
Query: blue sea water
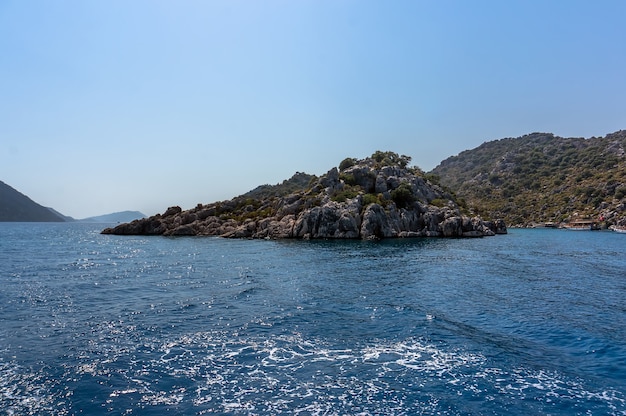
[533, 322]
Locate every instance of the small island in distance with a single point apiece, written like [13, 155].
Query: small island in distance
[372, 198]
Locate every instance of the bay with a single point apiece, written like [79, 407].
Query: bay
[533, 322]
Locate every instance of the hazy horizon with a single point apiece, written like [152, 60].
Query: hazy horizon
[115, 106]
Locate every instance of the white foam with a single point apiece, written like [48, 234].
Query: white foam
[292, 374]
[24, 392]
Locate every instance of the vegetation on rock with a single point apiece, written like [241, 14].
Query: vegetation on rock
[298, 182]
[376, 197]
[541, 178]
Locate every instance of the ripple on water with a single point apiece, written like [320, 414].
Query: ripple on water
[31, 392]
[102, 324]
[209, 372]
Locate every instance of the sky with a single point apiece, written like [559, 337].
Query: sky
[119, 105]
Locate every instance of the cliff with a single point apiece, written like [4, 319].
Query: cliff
[17, 207]
[377, 197]
[541, 177]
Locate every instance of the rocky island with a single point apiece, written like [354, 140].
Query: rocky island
[372, 198]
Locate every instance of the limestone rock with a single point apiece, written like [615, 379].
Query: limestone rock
[376, 223]
[377, 197]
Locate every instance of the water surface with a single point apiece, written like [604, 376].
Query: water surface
[533, 322]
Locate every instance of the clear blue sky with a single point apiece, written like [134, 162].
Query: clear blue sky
[138, 105]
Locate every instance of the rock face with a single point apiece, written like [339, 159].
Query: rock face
[377, 197]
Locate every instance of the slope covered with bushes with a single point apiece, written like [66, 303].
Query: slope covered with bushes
[542, 178]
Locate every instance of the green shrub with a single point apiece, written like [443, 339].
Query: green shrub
[494, 178]
[347, 193]
[370, 199]
[432, 178]
[403, 195]
[391, 159]
[346, 163]
[439, 202]
[348, 179]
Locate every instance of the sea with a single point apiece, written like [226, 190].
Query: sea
[528, 323]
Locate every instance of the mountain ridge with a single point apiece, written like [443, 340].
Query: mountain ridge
[17, 207]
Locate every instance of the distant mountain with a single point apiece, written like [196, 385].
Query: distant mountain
[17, 207]
[541, 177]
[123, 216]
[65, 217]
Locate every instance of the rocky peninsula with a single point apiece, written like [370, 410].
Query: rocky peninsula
[372, 198]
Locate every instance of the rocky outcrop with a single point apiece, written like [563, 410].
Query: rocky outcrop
[373, 198]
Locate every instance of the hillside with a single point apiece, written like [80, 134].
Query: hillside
[542, 178]
[17, 207]
[298, 182]
[376, 197]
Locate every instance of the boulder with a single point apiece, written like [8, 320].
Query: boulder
[451, 227]
[172, 211]
[496, 227]
[182, 230]
[376, 224]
